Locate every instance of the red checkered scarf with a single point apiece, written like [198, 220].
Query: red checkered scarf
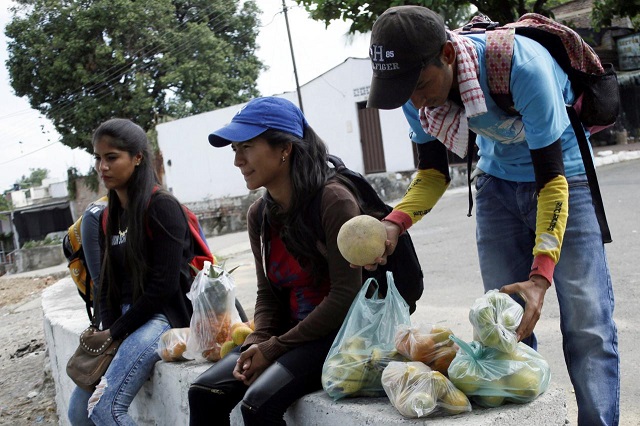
[448, 122]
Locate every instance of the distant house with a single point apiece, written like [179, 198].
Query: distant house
[38, 211]
[368, 140]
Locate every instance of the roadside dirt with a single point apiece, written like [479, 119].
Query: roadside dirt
[27, 391]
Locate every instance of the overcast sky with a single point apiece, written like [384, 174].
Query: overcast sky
[28, 140]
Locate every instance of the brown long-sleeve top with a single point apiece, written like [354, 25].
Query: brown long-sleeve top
[274, 333]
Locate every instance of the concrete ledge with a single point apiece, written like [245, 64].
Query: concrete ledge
[163, 400]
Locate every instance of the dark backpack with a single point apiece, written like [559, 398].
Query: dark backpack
[595, 85]
[72, 248]
[403, 263]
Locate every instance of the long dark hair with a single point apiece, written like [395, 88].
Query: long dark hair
[127, 136]
[309, 174]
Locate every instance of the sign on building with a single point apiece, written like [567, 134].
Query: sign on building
[629, 52]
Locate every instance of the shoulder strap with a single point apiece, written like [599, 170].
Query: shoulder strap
[498, 55]
[590, 170]
[104, 218]
[364, 191]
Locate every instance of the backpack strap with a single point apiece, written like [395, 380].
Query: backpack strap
[590, 170]
[498, 55]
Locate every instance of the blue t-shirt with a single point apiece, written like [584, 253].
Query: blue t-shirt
[540, 90]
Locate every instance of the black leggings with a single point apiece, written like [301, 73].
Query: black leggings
[296, 373]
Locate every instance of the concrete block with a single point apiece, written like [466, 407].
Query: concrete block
[163, 399]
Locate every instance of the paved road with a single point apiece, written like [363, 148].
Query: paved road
[445, 244]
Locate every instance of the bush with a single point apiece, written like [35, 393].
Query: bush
[46, 242]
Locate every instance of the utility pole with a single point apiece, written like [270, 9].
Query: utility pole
[293, 59]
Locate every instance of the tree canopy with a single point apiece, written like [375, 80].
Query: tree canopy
[83, 62]
[34, 179]
[605, 10]
[363, 13]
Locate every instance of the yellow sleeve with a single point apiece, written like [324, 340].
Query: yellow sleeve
[551, 222]
[423, 194]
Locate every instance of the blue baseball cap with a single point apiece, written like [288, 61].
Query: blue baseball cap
[258, 115]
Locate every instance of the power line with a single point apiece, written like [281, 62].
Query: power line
[29, 153]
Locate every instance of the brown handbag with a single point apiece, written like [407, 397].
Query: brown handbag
[92, 358]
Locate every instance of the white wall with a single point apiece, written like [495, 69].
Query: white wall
[58, 189]
[18, 198]
[199, 172]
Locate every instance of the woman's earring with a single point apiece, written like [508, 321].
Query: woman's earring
[283, 159]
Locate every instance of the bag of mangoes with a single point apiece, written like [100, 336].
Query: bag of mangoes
[490, 377]
[364, 346]
[417, 391]
[429, 344]
[495, 317]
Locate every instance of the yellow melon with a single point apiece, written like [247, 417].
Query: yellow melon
[361, 240]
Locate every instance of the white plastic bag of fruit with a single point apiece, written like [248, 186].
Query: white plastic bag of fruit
[417, 391]
[495, 318]
[212, 295]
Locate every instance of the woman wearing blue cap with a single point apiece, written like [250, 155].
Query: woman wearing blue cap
[305, 287]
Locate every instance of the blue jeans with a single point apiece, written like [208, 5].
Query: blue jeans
[505, 232]
[129, 370]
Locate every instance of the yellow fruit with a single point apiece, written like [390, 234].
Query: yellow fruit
[236, 325]
[489, 401]
[252, 324]
[467, 387]
[226, 348]
[524, 383]
[355, 343]
[440, 334]
[343, 367]
[362, 239]
[381, 357]
[240, 334]
[440, 384]
[349, 387]
[455, 401]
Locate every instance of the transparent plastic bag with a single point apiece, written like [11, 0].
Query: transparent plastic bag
[213, 298]
[490, 377]
[173, 344]
[417, 391]
[429, 344]
[495, 317]
[364, 346]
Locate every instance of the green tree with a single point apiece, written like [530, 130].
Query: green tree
[363, 13]
[34, 179]
[605, 10]
[83, 62]
[5, 205]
